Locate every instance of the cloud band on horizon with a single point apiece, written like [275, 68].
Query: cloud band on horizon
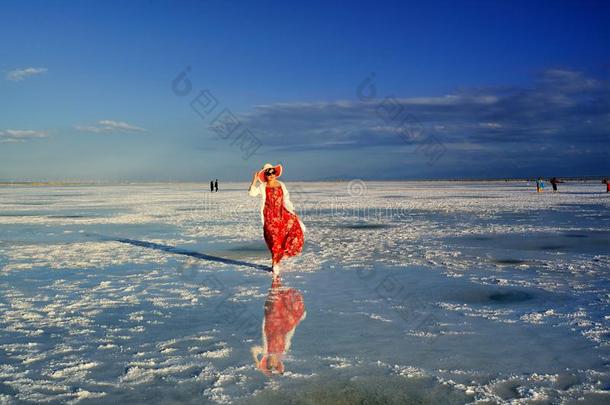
[562, 106]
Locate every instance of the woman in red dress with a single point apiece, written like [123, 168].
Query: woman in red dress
[284, 310]
[282, 229]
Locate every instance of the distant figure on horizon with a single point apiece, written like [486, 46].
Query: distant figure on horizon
[216, 185]
[282, 229]
[607, 183]
[554, 181]
[539, 185]
[212, 185]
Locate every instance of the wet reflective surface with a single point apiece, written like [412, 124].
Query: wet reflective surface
[284, 310]
[162, 294]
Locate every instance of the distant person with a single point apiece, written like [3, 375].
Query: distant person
[212, 185]
[539, 185]
[282, 229]
[554, 181]
[216, 185]
[607, 183]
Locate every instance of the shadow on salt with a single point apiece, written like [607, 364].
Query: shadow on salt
[585, 241]
[184, 252]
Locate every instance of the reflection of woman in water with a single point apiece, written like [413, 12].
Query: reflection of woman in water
[284, 309]
[282, 229]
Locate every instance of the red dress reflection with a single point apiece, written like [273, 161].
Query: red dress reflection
[284, 309]
[282, 230]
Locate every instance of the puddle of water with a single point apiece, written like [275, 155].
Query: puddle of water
[509, 261]
[575, 235]
[364, 390]
[510, 297]
[582, 242]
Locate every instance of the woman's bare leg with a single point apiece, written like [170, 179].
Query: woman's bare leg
[275, 266]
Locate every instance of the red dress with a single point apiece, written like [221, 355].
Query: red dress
[284, 309]
[282, 230]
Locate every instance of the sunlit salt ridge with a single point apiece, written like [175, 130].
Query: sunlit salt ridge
[453, 291]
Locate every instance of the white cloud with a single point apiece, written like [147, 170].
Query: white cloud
[110, 126]
[20, 135]
[18, 75]
[120, 125]
[490, 125]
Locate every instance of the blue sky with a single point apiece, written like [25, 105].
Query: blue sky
[459, 89]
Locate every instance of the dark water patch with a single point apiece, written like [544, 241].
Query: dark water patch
[26, 203]
[153, 230]
[250, 247]
[83, 213]
[553, 247]
[7, 389]
[594, 207]
[517, 245]
[508, 297]
[70, 216]
[21, 214]
[481, 238]
[509, 261]
[63, 213]
[482, 295]
[240, 252]
[361, 390]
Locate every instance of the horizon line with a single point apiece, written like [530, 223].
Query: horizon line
[135, 182]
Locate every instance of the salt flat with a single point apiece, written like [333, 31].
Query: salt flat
[415, 291]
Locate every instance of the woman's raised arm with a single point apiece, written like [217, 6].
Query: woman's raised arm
[253, 190]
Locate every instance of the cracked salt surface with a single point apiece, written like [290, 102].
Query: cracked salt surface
[460, 293]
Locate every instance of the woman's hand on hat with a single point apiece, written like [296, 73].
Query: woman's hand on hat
[255, 177]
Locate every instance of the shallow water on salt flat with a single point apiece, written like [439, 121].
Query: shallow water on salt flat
[413, 292]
